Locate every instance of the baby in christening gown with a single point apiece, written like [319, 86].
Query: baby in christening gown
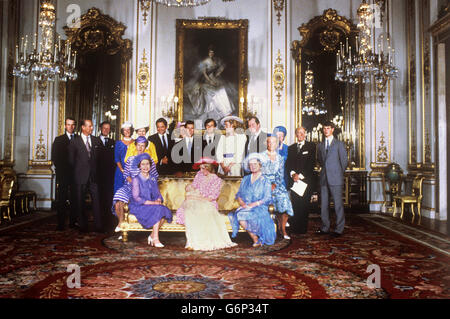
[205, 227]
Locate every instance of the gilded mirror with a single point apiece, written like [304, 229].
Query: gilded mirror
[318, 95]
[100, 92]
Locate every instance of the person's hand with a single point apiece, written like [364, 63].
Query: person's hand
[165, 160]
[129, 179]
[158, 201]
[179, 174]
[314, 198]
[148, 202]
[273, 187]
[295, 177]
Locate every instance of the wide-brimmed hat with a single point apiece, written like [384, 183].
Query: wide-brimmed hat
[139, 158]
[231, 117]
[127, 125]
[204, 160]
[141, 126]
[251, 156]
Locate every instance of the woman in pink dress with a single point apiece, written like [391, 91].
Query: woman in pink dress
[205, 227]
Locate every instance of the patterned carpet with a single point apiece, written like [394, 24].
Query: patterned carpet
[34, 260]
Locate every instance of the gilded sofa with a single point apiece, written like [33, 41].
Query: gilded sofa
[173, 190]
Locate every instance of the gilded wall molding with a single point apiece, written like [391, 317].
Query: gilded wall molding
[41, 151]
[143, 76]
[278, 6]
[145, 8]
[278, 77]
[382, 155]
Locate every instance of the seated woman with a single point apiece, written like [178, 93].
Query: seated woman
[141, 130]
[123, 194]
[146, 200]
[205, 227]
[273, 171]
[254, 196]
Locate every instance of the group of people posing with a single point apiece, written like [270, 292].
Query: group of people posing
[126, 171]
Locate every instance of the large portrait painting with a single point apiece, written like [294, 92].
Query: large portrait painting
[211, 67]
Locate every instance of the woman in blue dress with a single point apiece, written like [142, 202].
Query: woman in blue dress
[119, 154]
[273, 171]
[281, 132]
[146, 201]
[123, 194]
[254, 197]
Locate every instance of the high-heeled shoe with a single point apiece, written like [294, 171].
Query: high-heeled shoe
[150, 240]
[286, 237]
[118, 229]
[159, 245]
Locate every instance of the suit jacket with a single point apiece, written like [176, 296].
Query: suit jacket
[302, 163]
[60, 158]
[106, 165]
[181, 157]
[84, 167]
[259, 146]
[162, 152]
[210, 150]
[333, 162]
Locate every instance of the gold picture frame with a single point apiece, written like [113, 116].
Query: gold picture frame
[194, 41]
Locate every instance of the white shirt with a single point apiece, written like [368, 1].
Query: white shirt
[164, 136]
[68, 134]
[103, 139]
[330, 139]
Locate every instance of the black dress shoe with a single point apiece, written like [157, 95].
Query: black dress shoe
[321, 232]
[335, 235]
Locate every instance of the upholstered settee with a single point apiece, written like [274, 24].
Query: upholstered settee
[173, 191]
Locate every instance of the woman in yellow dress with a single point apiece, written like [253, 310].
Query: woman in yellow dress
[150, 150]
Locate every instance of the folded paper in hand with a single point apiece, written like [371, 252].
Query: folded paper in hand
[299, 187]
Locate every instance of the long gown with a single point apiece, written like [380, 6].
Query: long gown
[274, 173]
[231, 149]
[144, 189]
[119, 156]
[124, 194]
[216, 101]
[257, 219]
[205, 227]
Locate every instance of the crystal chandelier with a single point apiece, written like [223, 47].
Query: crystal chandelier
[48, 60]
[364, 64]
[182, 3]
[314, 102]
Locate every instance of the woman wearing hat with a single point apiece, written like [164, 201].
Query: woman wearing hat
[119, 153]
[150, 150]
[205, 228]
[273, 171]
[230, 150]
[123, 194]
[282, 149]
[146, 200]
[254, 197]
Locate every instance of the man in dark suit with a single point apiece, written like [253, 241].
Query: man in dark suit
[163, 144]
[210, 139]
[256, 138]
[83, 156]
[106, 168]
[64, 175]
[188, 150]
[332, 157]
[300, 166]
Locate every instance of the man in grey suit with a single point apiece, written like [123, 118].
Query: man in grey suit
[332, 157]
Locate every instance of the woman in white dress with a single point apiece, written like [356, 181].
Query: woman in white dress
[208, 92]
[230, 150]
[205, 227]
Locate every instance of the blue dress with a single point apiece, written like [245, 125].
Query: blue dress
[143, 190]
[284, 154]
[274, 172]
[119, 156]
[258, 219]
[124, 194]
